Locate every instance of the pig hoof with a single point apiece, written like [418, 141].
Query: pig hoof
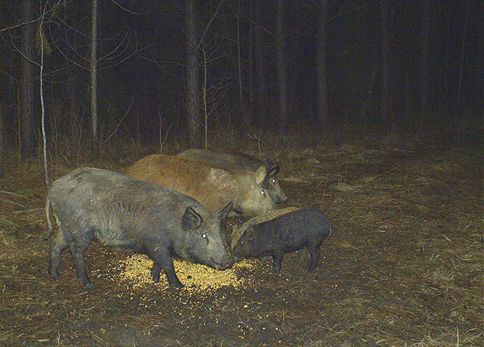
[87, 284]
[176, 285]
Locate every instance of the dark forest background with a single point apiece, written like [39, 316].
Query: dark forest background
[155, 71]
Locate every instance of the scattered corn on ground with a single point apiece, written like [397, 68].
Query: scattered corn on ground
[135, 273]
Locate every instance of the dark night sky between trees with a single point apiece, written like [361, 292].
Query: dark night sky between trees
[147, 69]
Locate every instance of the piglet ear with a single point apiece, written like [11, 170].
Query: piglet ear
[273, 170]
[191, 220]
[250, 234]
[224, 211]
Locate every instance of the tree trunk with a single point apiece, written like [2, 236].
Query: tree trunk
[321, 67]
[242, 108]
[260, 70]
[462, 50]
[2, 138]
[193, 78]
[28, 143]
[93, 71]
[386, 96]
[281, 64]
[250, 66]
[75, 128]
[424, 60]
[73, 116]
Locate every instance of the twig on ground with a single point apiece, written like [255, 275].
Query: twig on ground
[15, 194]
[30, 210]
[14, 203]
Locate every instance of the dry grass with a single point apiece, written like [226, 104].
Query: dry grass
[404, 266]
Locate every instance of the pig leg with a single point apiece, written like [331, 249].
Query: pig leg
[163, 260]
[60, 242]
[313, 257]
[277, 258]
[78, 251]
[78, 255]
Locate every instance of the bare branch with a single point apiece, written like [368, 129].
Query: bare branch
[129, 11]
[119, 123]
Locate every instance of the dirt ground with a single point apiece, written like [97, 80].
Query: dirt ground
[404, 267]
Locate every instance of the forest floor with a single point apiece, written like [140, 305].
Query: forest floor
[404, 266]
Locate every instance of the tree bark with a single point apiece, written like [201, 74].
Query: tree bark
[321, 65]
[93, 72]
[462, 51]
[2, 138]
[250, 66]
[193, 78]
[386, 96]
[260, 66]
[281, 64]
[28, 143]
[242, 109]
[424, 61]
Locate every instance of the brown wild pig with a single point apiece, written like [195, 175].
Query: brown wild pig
[240, 161]
[125, 213]
[206, 183]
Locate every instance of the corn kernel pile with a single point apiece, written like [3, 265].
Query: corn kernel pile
[135, 272]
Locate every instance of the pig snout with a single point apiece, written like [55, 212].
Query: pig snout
[224, 263]
[282, 199]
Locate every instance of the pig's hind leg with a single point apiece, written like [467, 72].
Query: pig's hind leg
[78, 248]
[314, 253]
[61, 241]
[277, 259]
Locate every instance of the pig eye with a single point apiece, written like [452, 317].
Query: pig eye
[274, 180]
[263, 192]
[205, 237]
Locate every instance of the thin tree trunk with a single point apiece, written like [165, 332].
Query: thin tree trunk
[42, 105]
[261, 85]
[281, 64]
[2, 138]
[93, 71]
[242, 110]
[27, 82]
[73, 118]
[250, 66]
[462, 50]
[193, 78]
[321, 67]
[386, 101]
[75, 128]
[424, 56]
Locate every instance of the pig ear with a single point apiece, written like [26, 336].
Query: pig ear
[191, 220]
[273, 170]
[250, 234]
[224, 211]
[260, 175]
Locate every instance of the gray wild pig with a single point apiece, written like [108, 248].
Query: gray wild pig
[285, 234]
[211, 185]
[240, 161]
[125, 213]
